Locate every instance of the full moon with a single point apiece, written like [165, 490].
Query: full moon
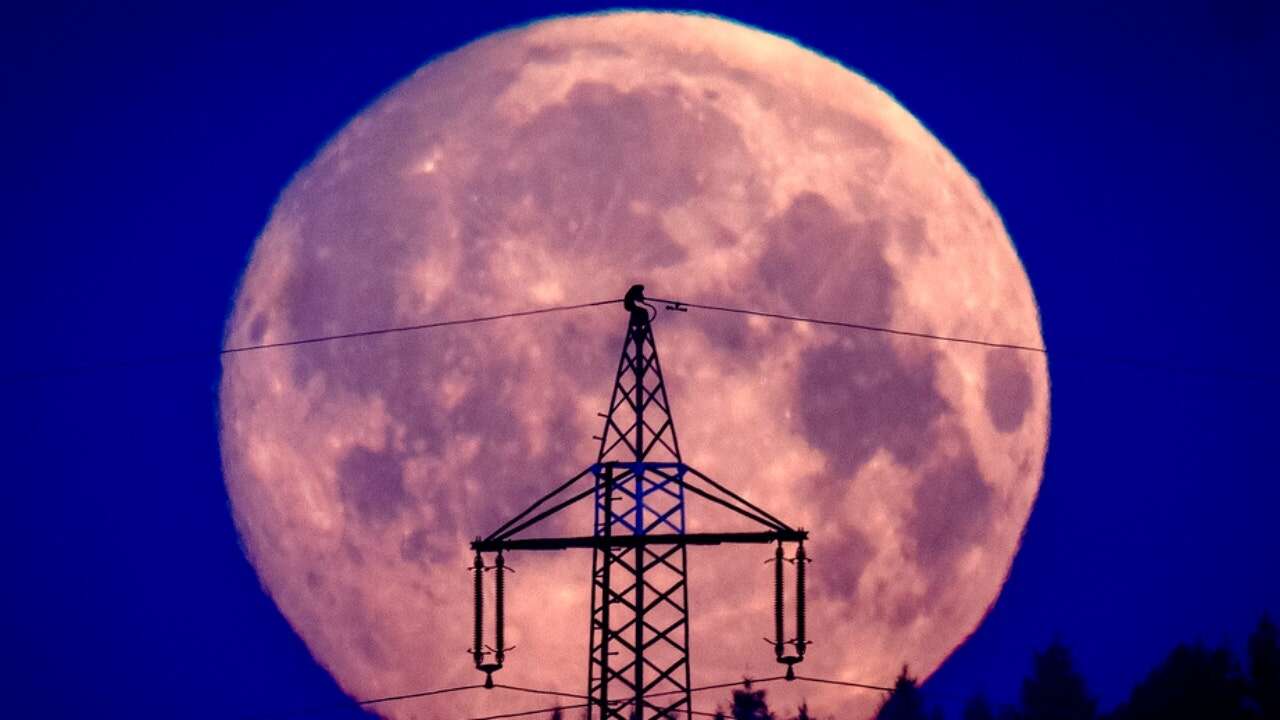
[559, 163]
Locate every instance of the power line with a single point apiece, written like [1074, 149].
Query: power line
[702, 713]
[369, 701]
[578, 706]
[574, 696]
[1147, 363]
[410, 328]
[1128, 361]
[523, 713]
[845, 683]
[855, 326]
[410, 696]
[718, 686]
[144, 361]
[534, 691]
[715, 686]
[126, 363]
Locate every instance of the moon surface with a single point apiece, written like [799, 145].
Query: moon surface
[559, 163]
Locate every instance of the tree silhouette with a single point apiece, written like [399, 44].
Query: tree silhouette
[1264, 669]
[750, 704]
[1055, 690]
[1193, 682]
[905, 702]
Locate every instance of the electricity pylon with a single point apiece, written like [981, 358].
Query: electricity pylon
[638, 667]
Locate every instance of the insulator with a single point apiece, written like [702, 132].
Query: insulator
[777, 602]
[477, 644]
[801, 560]
[499, 626]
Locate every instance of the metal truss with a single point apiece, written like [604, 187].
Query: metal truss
[639, 621]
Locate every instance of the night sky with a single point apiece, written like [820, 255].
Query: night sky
[1130, 153]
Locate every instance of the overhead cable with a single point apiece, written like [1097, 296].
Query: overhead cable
[677, 304]
[410, 328]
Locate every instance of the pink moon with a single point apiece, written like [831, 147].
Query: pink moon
[559, 163]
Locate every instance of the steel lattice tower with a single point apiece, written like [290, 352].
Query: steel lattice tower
[639, 594]
[639, 623]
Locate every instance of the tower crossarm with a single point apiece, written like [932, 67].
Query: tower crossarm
[600, 542]
[676, 477]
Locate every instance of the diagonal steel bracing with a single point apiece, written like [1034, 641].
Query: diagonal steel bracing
[639, 623]
[639, 595]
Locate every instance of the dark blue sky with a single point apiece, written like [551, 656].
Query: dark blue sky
[1131, 152]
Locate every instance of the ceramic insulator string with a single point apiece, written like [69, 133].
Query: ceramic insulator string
[499, 625]
[801, 560]
[779, 640]
[477, 645]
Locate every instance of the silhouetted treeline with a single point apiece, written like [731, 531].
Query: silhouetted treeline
[1193, 682]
